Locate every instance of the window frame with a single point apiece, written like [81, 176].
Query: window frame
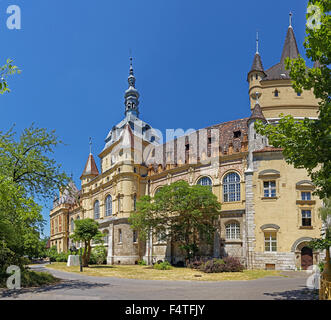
[108, 206]
[232, 230]
[304, 212]
[269, 189]
[270, 240]
[96, 202]
[228, 185]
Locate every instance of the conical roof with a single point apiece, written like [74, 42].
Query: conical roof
[290, 49]
[257, 113]
[91, 168]
[257, 63]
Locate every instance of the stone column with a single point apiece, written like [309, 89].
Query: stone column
[110, 256]
[249, 244]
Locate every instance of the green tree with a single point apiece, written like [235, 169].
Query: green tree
[86, 230]
[306, 143]
[7, 70]
[179, 212]
[325, 242]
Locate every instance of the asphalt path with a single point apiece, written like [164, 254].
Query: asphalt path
[75, 286]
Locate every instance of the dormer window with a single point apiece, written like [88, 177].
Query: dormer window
[237, 134]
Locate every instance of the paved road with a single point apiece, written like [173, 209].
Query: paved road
[80, 287]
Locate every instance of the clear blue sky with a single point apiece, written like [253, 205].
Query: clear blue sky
[191, 59]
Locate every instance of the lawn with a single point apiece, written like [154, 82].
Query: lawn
[148, 273]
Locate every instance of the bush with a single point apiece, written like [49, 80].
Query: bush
[162, 265]
[228, 264]
[36, 279]
[98, 255]
[233, 264]
[61, 257]
[212, 266]
[141, 262]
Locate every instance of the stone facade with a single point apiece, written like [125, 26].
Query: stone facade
[265, 230]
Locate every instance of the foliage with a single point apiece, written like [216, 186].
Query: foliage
[98, 255]
[325, 215]
[165, 265]
[7, 70]
[227, 264]
[142, 263]
[178, 212]
[28, 164]
[212, 266]
[86, 230]
[307, 143]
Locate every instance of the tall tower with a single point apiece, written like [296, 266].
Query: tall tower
[131, 95]
[256, 74]
[276, 94]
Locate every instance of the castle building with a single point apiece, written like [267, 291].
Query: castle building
[269, 213]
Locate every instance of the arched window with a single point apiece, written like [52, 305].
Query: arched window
[205, 181]
[233, 230]
[231, 187]
[96, 210]
[109, 206]
[72, 224]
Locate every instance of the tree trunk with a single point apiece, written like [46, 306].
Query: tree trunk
[88, 252]
[85, 261]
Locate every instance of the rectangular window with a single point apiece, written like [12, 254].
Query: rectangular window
[269, 189]
[120, 235]
[119, 204]
[306, 218]
[135, 236]
[270, 242]
[305, 196]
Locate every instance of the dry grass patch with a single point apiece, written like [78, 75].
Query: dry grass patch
[174, 274]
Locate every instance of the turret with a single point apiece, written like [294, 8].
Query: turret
[255, 140]
[256, 74]
[91, 170]
[131, 95]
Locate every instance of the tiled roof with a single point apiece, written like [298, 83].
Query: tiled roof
[257, 64]
[290, 50]
[91, 168]
[232, 138]
[269, 149]
[257, 113]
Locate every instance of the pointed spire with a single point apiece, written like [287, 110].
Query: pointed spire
[257, 61]
[257, 113]
[131, 94]
[257, 42]
[91, 169]
[290, 24]
[290, 48]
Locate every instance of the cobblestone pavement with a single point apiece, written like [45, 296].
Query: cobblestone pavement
[80, 287]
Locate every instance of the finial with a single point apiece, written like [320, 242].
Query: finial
[257, 42]
[290, 26]
[90, 142]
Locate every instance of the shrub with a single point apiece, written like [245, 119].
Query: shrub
[212, 266]
[34, 279]
[141, 262]
[61, 257]
[233, 264]
[98, 255]
[162, 266]
[228, 264]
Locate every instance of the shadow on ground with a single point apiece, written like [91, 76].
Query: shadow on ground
[63, 285]
[300, 294]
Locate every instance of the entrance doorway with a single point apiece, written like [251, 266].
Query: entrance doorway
[306, 257]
